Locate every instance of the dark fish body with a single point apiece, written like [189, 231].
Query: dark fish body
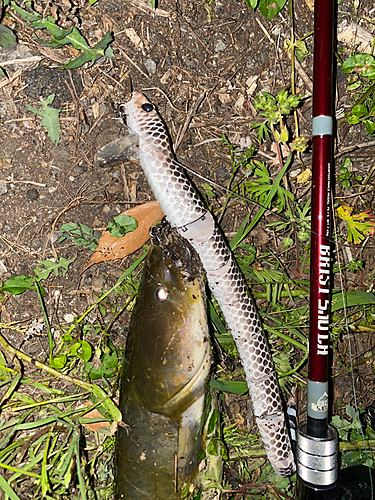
[164, 379]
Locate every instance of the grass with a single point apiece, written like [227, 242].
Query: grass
[46, 450]
[43, 441]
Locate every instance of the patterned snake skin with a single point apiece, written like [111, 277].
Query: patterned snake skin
[185, 211]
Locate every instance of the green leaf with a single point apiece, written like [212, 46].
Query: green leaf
[18, 284]
[95, 373]
[80, 235]
[362, 63]
[110, 361]
[106, 404]
[252, 3]
[213, 420]
[50, 118]
[351, 299]
[81, 349]
[89, 54]
[359, 110]
[7, 37]
[58, 362]
[270, 8]
[353, 120]
[232, 386]
[121, 225]
[53, 266]
[28, 16]
[370, 126]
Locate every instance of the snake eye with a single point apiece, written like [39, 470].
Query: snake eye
[161, 294]
[147, 106]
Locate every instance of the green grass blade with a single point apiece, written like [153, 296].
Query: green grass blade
[81, 483]
[8, 490]
[350, 299]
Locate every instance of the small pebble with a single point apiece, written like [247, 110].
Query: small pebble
[32, 194]
[88, 279]
[263, 57]
[220, 46]
[150, 65]
[3, 188]
[69, 318]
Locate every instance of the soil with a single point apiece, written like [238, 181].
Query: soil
[202, 64]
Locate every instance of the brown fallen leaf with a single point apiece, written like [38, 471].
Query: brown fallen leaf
[111, 248]
[93, 414]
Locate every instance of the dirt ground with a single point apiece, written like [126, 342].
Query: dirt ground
[202, 64]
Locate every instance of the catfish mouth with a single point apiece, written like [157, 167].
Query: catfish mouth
[177, 249]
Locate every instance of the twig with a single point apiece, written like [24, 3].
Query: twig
[353, 148]
[71, 204]
[302, 73]
[23, 182]
[19, 61]
[11, 245]
[131, 61]
[188, 119]
[166, 96]
[13, 352]
[149, 9]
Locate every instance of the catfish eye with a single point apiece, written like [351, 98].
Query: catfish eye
[147, 106]
[161, 294]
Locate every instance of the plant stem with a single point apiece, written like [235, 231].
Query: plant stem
[51, 342]
[13, 352]
[124, 275]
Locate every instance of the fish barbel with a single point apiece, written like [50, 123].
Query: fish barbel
[165, 374]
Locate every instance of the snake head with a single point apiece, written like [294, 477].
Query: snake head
[142, 117]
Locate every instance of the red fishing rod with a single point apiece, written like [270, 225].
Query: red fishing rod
[317, 444]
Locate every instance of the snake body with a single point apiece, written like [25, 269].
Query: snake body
[186, 212]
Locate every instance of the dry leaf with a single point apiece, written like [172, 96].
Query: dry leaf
[251, 84]
[353, 34]
[134, 38]
[304, 176]
[111, 248]
[93, 414]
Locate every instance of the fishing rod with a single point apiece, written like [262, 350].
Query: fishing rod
[317, 441]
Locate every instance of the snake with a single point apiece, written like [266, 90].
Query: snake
[186, 212]
[164, 380]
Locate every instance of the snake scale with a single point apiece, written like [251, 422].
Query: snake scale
[186, 212]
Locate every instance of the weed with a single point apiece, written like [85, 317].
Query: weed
[361, 68]
[346, 176]
[80, 235]
[50, 118]
[351, 432]
[60, 37]
[121, 225]
[359, 225]
[268, 8]
[51, 451]
[274, 109]
[298, 222]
